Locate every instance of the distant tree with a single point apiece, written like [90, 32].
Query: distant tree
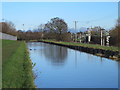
[56, 26]
[21, 35]
[41, 27]
[95, 34]
[8, 27]
[96, 31]
[115, 34]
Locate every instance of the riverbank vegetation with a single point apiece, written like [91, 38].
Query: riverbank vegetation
[102, 51]
[85, 45]
[16, 65]
[57, 29]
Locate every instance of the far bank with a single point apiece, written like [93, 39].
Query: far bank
[102, 51]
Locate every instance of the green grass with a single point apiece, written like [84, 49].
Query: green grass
[16, 65]
[87, 45]
[0, 64]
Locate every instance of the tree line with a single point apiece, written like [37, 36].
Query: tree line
[8, 28]
[57, 29]
[115, 34]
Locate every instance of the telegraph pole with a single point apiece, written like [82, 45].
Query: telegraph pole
[76, 41]
[23, 26]
[89, 34]
[76, 30]
[102, 40]
[101, 37]
[42, 27]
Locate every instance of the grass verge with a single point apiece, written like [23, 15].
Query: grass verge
[16, 65]
[111, 48]
[0, 64]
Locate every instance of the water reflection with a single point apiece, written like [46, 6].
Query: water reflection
[62, 67]
[90, 57]
[119, 75]
[55, 54]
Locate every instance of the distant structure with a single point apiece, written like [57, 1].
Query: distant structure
[7, 36]
[89, 34]
[76, 30]
[107, 38]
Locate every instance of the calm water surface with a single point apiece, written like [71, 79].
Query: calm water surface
[61, 67]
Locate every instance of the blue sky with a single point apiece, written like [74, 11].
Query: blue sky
[32, 14]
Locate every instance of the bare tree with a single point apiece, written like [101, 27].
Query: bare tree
[8, 27]
[115, 34]
[57, 26]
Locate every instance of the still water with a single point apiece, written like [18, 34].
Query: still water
[61, 67]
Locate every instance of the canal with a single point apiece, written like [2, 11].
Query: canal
[61, 67]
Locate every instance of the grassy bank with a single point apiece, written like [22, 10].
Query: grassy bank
[16, 65]
[98, 50]
[86, 45]
[0, 64]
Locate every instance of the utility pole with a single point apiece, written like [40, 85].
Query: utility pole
[102, 41]
[23, 26]
[80, 37]
[89, 34]
[76, 30]
[42, 27]
[76, 41]
[101, 36]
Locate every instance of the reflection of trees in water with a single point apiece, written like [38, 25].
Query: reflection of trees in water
[56, 54]
[118, 74]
